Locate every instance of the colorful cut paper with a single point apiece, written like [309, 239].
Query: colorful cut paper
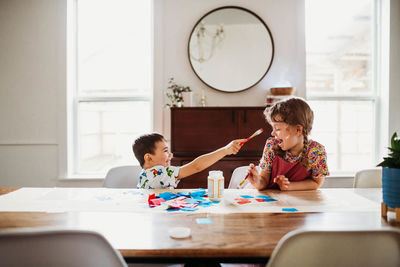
[203, 221]
[156, 201]
[290, 209]
[246, 196]
[183, 201]
[168, 195]
[244, 201]
[263, 196]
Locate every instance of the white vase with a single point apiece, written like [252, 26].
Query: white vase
[187, 99]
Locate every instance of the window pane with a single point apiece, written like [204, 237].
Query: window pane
[107, 131]
[339, 47]
[114, 47]
[346, 130]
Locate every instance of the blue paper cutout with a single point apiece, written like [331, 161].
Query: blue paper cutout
[189, 209]
[168, 195]
[203, 221]
[262, 196]
[289, 209]
[191, 201]
[246, 196]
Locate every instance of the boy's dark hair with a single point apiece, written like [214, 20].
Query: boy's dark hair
[145, 144]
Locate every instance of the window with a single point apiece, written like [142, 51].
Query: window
[341, 81]
[112, 95]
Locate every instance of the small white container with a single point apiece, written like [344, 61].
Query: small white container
[215, 185]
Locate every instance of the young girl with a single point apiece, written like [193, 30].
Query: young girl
[290, 161]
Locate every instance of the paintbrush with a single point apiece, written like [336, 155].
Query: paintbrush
[259, 131]
[242, 182]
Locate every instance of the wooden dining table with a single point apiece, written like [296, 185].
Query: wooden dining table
[231, 237]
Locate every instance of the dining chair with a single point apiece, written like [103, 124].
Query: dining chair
[238, 175]
[328, 248]
[122, 177]
[57, 248]
[369, 178]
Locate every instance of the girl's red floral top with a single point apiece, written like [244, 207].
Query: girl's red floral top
[315, 153]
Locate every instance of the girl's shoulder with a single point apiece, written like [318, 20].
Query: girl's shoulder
[270, 144]
[315, 148]
[272, 141]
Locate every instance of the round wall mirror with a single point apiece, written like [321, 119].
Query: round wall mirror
[230, 49]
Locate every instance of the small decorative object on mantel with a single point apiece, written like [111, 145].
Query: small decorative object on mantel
[203, 99]
[279, 93]
[175, 93]
[391, 179]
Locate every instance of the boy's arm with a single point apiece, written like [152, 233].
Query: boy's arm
[206, 160]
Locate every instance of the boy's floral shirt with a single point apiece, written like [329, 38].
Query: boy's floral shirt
[159, 177]
[315, 153]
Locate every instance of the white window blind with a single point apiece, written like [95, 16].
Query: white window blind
[341, 38]
[113, 92]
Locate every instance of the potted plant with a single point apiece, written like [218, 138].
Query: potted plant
[175, 93]
[391, 178]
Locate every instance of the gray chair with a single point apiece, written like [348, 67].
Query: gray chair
[369, 178]
[122, 177]
[57, 248]
[350, 248]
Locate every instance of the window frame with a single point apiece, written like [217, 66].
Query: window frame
[376, 94]
[69, 161]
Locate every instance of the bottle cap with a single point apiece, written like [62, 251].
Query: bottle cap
[179, 232]
[215, 174]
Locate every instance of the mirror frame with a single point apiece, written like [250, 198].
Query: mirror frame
[255, 15]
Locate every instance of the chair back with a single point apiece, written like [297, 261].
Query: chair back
[122, 177]
[350, 248]
[57, 248]
[238, 175]
[370, 178]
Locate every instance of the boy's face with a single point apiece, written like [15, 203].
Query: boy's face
[161, 155]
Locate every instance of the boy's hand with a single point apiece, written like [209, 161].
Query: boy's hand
[233, 147]
[282, 181]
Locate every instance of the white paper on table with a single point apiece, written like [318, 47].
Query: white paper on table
[135, 200]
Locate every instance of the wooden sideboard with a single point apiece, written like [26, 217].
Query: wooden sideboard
[199, 130]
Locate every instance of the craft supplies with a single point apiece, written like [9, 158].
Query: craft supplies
[215, 185]
[203, 221]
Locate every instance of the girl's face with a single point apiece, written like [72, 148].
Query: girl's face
[289, 137]
[161, 155]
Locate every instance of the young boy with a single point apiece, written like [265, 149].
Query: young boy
[152, 152]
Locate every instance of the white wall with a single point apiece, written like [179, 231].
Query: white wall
[33, 75]
[394, 74]
[285, 19]
[32, 72]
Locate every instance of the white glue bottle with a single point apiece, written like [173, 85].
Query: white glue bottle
[215, 185]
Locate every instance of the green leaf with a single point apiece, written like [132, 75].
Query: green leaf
[393, 158]
[395, 142]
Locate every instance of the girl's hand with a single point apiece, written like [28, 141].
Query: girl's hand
[255, 178]
[233, 147]
[282, 182]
